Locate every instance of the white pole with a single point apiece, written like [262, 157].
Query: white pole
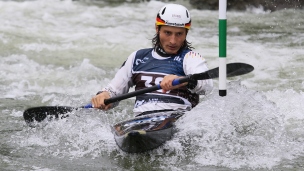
[222, 47]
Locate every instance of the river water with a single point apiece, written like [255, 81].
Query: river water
[63, 52]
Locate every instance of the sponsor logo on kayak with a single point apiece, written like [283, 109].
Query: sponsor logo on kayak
[145, 120]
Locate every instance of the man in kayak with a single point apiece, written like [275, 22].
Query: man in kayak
[170, 58]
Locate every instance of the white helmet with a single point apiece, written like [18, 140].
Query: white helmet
[174, 15]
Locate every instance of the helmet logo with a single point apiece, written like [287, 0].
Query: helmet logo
[175, 24]
[176, 16]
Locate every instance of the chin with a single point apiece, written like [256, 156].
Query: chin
[171, 51]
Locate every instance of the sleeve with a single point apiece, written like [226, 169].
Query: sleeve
[122, 80]
[195, 63]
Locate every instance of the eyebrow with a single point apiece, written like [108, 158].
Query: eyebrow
[173, 31]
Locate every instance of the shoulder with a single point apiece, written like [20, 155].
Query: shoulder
[144, 52]
[188, 53]
[193, 55]
[184, 52]
[139, 54]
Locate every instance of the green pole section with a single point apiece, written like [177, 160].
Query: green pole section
[222, 38]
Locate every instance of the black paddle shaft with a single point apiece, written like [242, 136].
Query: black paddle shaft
[40, 113]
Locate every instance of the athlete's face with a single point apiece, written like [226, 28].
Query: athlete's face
[171, 38]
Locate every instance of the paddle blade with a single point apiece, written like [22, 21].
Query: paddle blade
[40, 113]
[237, 69]
[233, 69]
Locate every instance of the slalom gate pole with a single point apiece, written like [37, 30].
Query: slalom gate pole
[222, 47]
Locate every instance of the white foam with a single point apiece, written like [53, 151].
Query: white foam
[63, 52]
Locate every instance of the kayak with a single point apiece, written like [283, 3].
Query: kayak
[146, 132]
[139, 134]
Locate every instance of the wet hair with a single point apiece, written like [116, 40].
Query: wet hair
[156, 41]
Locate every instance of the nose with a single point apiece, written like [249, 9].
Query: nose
[173, 39]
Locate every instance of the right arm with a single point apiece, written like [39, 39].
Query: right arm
[120, 84]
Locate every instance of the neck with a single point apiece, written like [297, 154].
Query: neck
[160, 51]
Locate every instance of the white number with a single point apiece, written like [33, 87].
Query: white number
[148, 80]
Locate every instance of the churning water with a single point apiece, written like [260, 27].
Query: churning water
[63, 52]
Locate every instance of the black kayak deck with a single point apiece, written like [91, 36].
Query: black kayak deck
[146, 132]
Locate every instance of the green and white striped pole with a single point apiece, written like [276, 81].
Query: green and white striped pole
[222, 47]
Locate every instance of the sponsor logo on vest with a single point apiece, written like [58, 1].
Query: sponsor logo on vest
[141, 61]
[139, 103]
[177, 58]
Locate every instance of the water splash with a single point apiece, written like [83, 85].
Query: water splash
[243, 129]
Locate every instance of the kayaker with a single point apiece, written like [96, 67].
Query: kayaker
[170, 57]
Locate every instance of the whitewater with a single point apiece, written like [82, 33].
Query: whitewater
[63, 52]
